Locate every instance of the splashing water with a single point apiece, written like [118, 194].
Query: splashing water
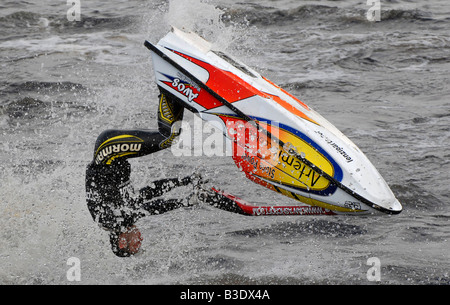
[63, 83]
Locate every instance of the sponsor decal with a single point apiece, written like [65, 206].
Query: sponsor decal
[111, 152]
[310, 177]
[339, 149]
[183, 85]
[268, 171]
[353, 205]
[255, 154]
[294, 210]
[117, 147]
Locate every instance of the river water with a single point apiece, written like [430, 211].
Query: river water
[384, 84]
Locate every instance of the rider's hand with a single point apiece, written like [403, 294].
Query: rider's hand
[130, 241]
[198, 179]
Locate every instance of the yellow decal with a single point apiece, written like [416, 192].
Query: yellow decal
[112, 158]
[167, 111]
[317, 203]
[119, 139]
[116, 147]
[168, 142]
[280, 165]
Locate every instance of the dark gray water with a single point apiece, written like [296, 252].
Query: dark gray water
[384, 84]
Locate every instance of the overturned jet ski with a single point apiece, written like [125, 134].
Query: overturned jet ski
[278, 141]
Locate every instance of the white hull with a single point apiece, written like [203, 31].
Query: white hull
[318, 165]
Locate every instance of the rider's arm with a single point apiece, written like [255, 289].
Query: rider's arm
[115, 205]
[158, 188]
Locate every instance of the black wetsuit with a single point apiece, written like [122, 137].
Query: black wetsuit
[111, 199]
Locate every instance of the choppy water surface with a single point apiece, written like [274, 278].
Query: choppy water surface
[384, 84]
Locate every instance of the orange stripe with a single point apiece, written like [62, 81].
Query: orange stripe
[291, 108]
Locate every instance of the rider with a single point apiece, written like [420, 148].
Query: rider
[111, 199]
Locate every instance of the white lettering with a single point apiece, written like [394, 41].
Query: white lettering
[374, 272]
[111, 150]
[242, 294]
[74, 272]
[184, 144]
[74, 12]
[213, 144]
[374, 12]
[185, 89]
[301, 210]
[197, 295]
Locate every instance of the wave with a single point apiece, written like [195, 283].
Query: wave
[265, 16]
[318, 227]
[26, 20]
[410, 15]
[262, 15]
[30, 108]
[94, 23]
[43, 87]
[331, 85]
[415, 197]
[20, 18]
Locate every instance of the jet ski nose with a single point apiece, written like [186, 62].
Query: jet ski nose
[395, 207]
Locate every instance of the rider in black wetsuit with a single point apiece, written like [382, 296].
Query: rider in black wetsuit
[111, 199]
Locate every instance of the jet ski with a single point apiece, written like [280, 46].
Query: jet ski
[277, 140]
